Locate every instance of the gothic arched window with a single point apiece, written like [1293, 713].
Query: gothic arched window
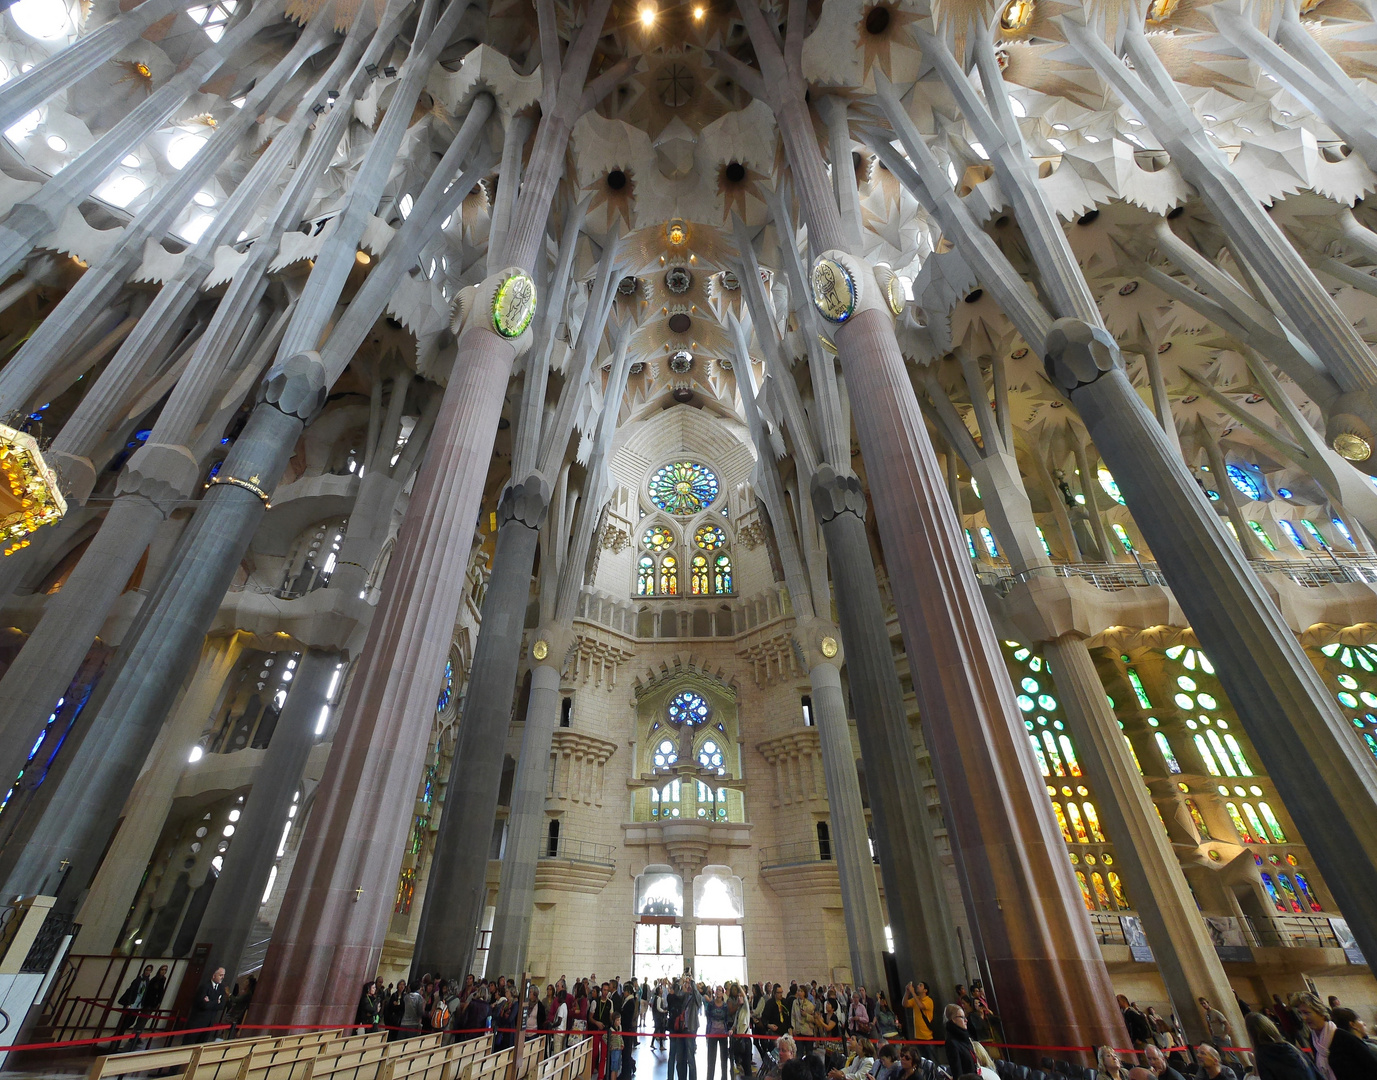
[666, 754]
[645, 576]
[698, 581]
[688, 708]
[669, 576]
[664, 802]
[722, 574]
[446, 687]
[710, 757]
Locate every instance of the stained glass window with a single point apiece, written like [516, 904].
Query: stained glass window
[1273, 825]
[657, 538]
[666, 754]
[1172, 764]
[698, 575]
[1292, 534]
[1110, 487]
[1117, 888]
[645, 576]
[1357, 699]
[1343, 530]
[1206, 756]
[1309, 527]
[1272, 892]
[1239, 826]
[1073, 815]
[1200, 825]
[1304, 887]
[1046, 547]
[669, 576]
[684, 488]
[1085, 890]
[1061, 821]
[1092, 819]
[1262, 535]
[1289, 893]
[1244, 481]
[446, 687]
[1139, 690]
[990, 545]
[664, 802]
[710, 757]
[1123, 536]
[1255, 823]
[688, 708]
[709, 537]
[1100, 893]
[722, 574]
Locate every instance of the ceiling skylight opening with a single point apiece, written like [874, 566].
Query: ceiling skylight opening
[1057, 145]
[25, 126]
[46, 20]
[979, 150]
[121, 191]
[1017, 107]
[194, 229]
[183, 148]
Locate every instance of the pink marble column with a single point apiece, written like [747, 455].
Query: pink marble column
[334, 914]
[1044, 965]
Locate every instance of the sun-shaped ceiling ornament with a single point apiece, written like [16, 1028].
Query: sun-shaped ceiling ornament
[683, 488]
[882, 27]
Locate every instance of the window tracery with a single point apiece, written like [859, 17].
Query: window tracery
[688, 708]
[683, 488]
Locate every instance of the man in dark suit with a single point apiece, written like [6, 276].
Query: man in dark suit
[630, 1010]
[206, 1006]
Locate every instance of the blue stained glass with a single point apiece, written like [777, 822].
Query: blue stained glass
[688, 708]
[1272, 892]
[988, 537]
[447, 688]
[1285, 493]
[684, 487]
[970, 544]
[1290, 530]
[1245, 481]
[1309, 526]
[1343, 529]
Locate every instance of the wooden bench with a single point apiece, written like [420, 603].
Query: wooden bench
[414, 1045]
[292, 1062]
[181, 1058]
[432, 1062]
[359, 1063]
[568, 1064]
[489, 1067]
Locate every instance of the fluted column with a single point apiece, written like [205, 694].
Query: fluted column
[511, 928]
[1157, 888]
[115, 886]
[238, 891]
[865, 922]
[1325, 777]
[458, 868]
[915, 891]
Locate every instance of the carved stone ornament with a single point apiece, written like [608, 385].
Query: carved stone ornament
[514, 304]
[834, 289]
[678, 280]
[1076, 353]
[681, 361]
[729, 281]
[751, 536]
[541, 649]
[829, 647]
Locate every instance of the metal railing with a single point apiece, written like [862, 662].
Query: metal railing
[580, 851]
[795, 853]
[1332, 569]
[1291, 932]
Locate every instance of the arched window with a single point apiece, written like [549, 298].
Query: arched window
[710, 757]
[722, 574]
[446, 687]
[688, 708]
[699, 577]
[666, 754]
[645, 576]
[664, 802]
[669, 576]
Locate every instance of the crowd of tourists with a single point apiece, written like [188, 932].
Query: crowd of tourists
[812, 1031]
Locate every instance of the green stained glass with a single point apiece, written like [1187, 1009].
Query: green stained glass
[684, 487]
[657, 538]
[1262, 535]
[709, 537]
[1139, 689]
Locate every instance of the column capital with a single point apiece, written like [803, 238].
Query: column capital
[298, 386]
[821, 644]
[835, 494]
[557, 641]
[1076, 354]
[162, 473]
[526, 501]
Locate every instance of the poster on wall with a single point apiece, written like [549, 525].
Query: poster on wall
[1347, 941]
[1136, 938]
[1227, 937]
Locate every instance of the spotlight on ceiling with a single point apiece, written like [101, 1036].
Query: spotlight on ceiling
[648, 15]
[698, 12]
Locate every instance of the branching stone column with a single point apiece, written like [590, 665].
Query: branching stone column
[865, 922]
[1324, 776]
[145, 812]
[1024, 903]
[914, 889]
[449, 921]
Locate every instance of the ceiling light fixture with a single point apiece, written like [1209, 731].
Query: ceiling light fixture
[647, 15]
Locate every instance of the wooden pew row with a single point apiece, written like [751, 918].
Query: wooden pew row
[568, 1064]
[489, 1067]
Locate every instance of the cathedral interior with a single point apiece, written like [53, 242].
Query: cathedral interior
[813, 490]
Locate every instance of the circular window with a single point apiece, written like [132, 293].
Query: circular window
[665, 754]
[688, 708]
[709, 537]
[657, 538]
[684, 488]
